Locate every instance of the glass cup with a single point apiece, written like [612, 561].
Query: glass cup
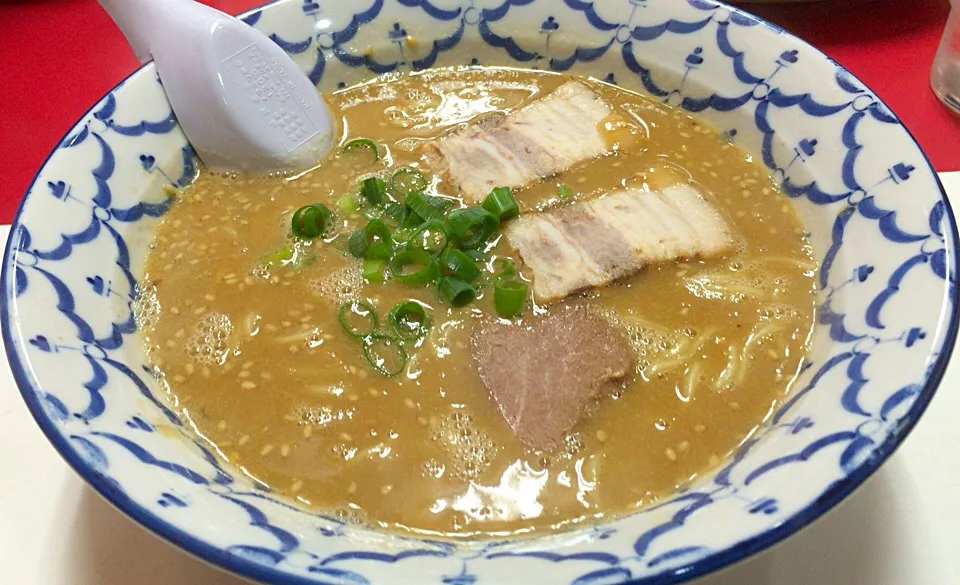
[945, 77]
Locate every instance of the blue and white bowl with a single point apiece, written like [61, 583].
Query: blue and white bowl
[879, 220]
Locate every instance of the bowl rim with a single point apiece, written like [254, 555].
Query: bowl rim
[712, 563]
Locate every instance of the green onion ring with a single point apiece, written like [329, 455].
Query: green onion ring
[501, 203]
[373, 189]
[363, 144]
[455, 291]
[427, 273]
[471, 227]
[510, 296]
[377, 360]
[454, 262]
[410, 320]
[360, 309]
[407, 180]
[310, 221]
[418, 239]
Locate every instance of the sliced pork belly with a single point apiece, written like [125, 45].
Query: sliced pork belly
[542, 139]
[594, 243]
[542, 375]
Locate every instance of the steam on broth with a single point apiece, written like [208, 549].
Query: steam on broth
[248, 323]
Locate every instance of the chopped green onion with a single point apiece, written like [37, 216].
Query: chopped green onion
[453, 262]
[410, 320]
[363, 144]
[501, 203]
[372, 211]
[361, 313]
[373, 189]
[402, 235]
[412, 266]
[510, 296]
[281, 257]
[347, 205]
[357, 244]
[384, 353]
[411, 220]
[428, 207]
[394, 211]
[456, 292]
[476, 255]
[373, 242]
[430, 237]
[295, 256]
[471, 227]
[504, 268]
[407, 180]
[373, 270]
[310, 221]
[565, 192]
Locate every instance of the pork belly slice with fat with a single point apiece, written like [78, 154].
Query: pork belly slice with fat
[542, 375]
[538, 141]
[594, 243]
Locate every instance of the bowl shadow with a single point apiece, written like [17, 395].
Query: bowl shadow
[846, 546]
[110, 549]
[850, 544]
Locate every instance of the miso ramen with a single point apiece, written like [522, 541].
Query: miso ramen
[509, 302]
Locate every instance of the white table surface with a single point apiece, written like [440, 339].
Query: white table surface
[901, 528]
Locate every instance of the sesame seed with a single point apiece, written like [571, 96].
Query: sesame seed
[671, 454]
[307, 432]
[699, 428]
[178, 379]
[409, 403]
[266, 450]
[345, 437]
[386, 489]
[601, 436]
[284, 450]
[248, 385]
[297, 485]
[352, 488]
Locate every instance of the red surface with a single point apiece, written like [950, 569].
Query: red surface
[58, 57]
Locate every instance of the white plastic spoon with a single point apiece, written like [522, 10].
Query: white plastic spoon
[242, 102]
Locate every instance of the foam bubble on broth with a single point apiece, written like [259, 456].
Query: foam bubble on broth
[209, 343]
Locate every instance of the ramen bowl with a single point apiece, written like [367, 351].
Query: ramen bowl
[876, 213]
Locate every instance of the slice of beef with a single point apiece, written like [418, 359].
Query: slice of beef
[542, 375]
